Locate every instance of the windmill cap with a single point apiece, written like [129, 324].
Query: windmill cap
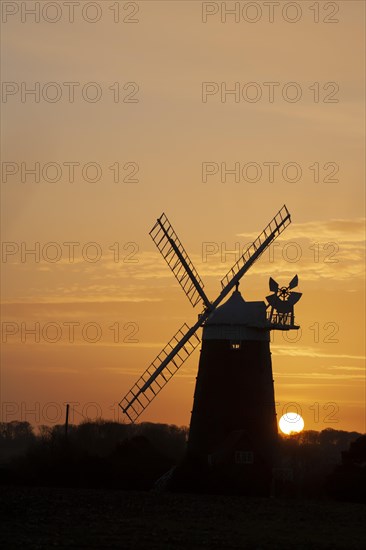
[236, 311]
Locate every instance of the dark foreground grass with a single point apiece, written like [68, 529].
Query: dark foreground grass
[80, 518]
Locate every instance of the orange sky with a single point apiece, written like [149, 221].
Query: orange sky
[169, 133]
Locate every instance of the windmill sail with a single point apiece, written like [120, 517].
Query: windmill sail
[185, 341]
[177, 259]
[161, 370]
[275, 227]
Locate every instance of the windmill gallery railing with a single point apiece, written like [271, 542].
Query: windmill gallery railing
[280, 321]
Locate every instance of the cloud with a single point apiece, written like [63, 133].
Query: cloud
[338, 257]
[345, 230]
[337, 367]
[308, 351]
[320, 376]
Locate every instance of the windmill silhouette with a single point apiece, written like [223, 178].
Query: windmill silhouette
[233, 417]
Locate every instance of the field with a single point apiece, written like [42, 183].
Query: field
[47, 518]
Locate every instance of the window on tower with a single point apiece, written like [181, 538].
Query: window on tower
[235, 344]
[244, 457]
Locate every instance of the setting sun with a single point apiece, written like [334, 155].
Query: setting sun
[291, 422]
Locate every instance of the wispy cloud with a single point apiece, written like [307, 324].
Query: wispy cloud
[338, 257]
[320, 376]
[308, 351]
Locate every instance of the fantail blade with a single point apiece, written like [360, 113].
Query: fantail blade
[294, 298]
[273, 286]
[294, 282]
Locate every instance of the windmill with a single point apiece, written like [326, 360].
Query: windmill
[233, 417]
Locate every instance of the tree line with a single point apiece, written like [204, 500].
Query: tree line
[104, 454]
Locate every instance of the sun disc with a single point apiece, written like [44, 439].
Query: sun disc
[291, 422]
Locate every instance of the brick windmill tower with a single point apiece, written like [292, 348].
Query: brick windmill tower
[233, 426]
